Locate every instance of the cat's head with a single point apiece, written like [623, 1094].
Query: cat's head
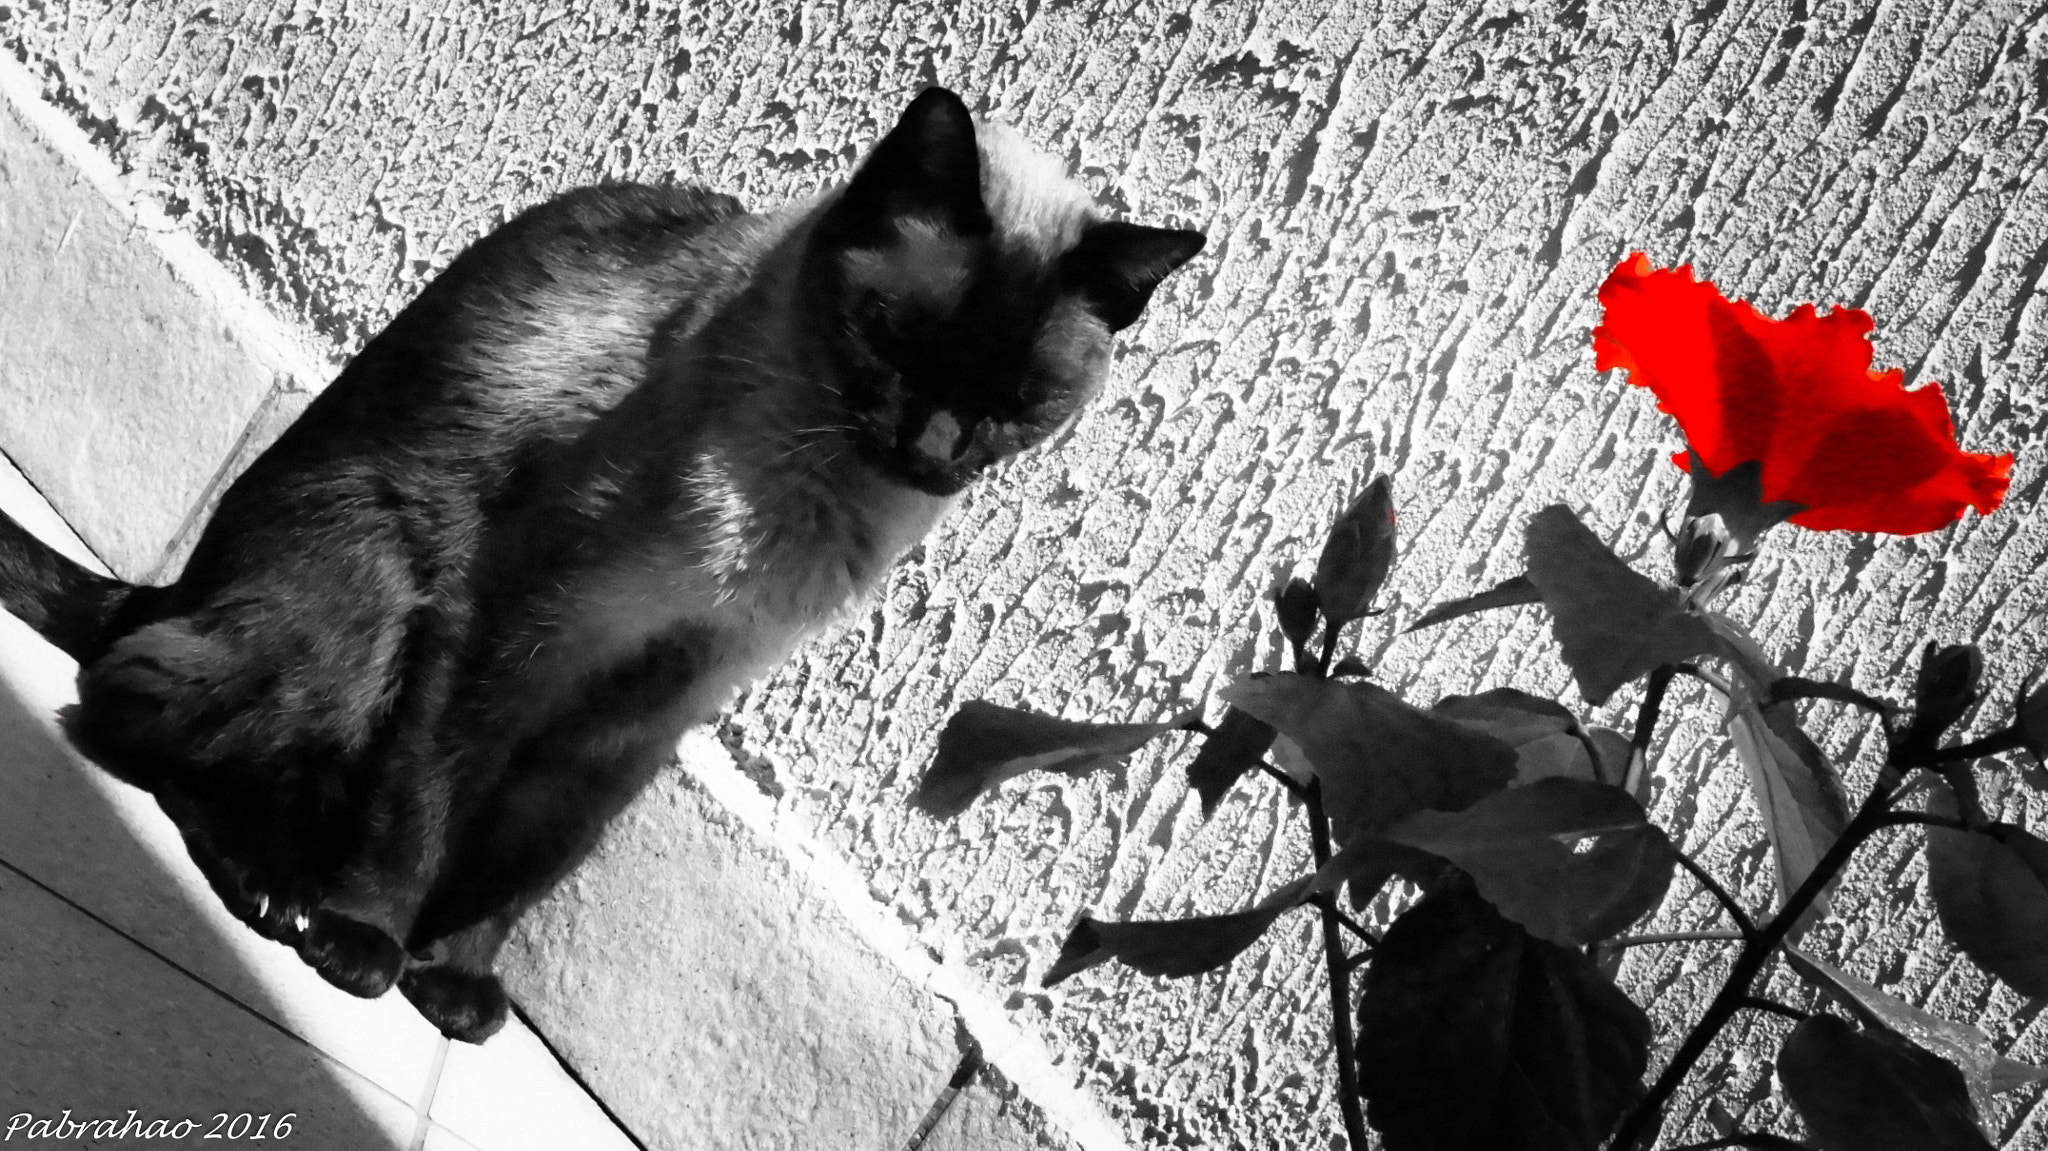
[969, 289]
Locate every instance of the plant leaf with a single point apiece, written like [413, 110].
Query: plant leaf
[984, 744]
[1173, 947]
[1237, 745]
[1798, 795]
[1357, 555]
[1612, 624]
[1984, 1070]
[1524, 849]
[1378, 758]
[1476, 1036]
[1991, 891]
[1368, 862]
[1510, 592]
[1544, 733]
[1872, 1090]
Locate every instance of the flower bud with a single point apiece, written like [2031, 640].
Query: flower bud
[1946, 688]
[1297, 609]
[1357, 555]
[1703, 546]
[2032, 719]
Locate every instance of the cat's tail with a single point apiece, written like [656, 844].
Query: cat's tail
[66, 604]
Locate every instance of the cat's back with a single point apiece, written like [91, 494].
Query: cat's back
[506, 355]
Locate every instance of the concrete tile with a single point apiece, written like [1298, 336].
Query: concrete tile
[97, 1026]
[108, 847]
[715, 999]
[509, 1094]
[120, 396]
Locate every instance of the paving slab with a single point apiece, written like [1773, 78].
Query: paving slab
[714, 1000]
[118, 398]
[98, 1027]
[510, 1094]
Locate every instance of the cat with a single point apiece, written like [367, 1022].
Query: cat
[615, 462]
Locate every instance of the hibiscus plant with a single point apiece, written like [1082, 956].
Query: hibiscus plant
[1485, 1015]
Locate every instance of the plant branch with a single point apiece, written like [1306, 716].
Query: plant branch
[1749, 964]
[1353, 926]
[1655, 937]
[1653, 702]
[2008, 740]
[1287, 781]
[1735, 912]
[1348, 1097]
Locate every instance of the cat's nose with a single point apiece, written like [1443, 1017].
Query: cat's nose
[943, 440]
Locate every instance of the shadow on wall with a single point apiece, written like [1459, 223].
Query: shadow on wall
[127, 994]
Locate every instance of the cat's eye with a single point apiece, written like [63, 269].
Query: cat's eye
[871, 319]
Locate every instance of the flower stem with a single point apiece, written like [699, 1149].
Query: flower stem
[1348, 1097]
[1749, 964]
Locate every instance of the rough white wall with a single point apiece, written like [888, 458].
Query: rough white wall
[1409, 208]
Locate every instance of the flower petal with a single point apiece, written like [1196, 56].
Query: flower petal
[1798, 396]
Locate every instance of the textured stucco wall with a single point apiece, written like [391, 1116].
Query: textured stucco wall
[1409, 207]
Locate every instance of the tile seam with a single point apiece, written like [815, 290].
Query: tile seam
[326, 1057]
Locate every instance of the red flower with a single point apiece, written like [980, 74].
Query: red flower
[1797, 395]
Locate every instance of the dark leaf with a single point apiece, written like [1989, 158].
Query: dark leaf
[1476, 1036]
[1871, 1090]
[1296, 605]
[1544, 734]
[1351, 665]
[1173, 947]
[1510, 592]
[1357, 555]
[1573, 862]
[984, 744]
[1611, 623]
[1238, 744]
[1991, 890]
[1945, 689]
[1984, 1070]
[1378, 758]
[1368, 862]
[1797, 792]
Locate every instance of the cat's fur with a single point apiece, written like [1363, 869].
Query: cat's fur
[617, 460]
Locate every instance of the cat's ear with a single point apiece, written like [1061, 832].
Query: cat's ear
[927, 166]
[1116, 265]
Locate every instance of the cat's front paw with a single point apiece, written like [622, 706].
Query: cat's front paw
[466, 1007]
[352, 955]
[275, 910]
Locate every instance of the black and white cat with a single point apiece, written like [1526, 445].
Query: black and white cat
[616, 461]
